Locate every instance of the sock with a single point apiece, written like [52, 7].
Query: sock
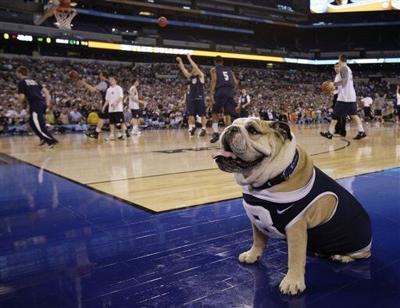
[331, 129]
[360, 128]
[191, 126]
[215, 127]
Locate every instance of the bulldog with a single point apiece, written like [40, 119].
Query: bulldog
[286, 197]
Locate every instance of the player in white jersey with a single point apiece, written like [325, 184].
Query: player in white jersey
[367, 103]
[346, 104]
[340, 127]
[134, 106]
[398, 103]
[115, 105]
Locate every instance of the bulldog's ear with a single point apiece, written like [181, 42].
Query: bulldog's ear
[283, 128]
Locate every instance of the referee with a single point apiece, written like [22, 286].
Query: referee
[38, 98]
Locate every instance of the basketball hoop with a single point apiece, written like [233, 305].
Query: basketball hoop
[62, 10]
[64, 17]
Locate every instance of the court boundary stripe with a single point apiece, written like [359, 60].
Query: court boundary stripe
[145, 209]
[347, 144]
[138, 206]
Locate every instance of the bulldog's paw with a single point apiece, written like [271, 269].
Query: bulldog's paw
[249, 257]
[342, 259]
[292, 284]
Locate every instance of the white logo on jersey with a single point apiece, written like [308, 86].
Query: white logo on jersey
[31, 82]
[283, 211]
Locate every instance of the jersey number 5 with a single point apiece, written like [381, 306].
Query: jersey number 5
[226, 76]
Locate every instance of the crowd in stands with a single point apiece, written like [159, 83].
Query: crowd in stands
[291, 95]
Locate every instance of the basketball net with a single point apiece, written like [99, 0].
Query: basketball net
[64, 17]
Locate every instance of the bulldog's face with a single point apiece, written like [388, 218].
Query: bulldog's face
[250, 143]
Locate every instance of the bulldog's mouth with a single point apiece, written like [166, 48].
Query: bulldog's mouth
[229, 162]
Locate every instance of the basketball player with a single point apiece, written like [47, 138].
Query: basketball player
[115, 105]
[222, 91]
[340, 127]
[244, 104]
[367, 103]
[398, 103]
[346, 104]
[134, 106]
[378, 106]
[195, 100]
[101, 88]
[38, 98]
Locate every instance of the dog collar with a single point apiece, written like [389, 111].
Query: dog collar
[281, 177]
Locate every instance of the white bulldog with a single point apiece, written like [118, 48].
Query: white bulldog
[286, 197]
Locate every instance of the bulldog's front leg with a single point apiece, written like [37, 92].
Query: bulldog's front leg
[256, 250]
[293, 282]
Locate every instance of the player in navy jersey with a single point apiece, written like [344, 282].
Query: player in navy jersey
[101, 88]
[244, 104]
[195, 99]
[38, 98]
[222, 91]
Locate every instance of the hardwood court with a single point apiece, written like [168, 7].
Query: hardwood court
[165, 170]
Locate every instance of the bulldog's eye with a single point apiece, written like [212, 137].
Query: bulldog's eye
[252, 130]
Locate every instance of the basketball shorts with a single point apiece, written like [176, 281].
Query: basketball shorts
[244, 113]
[116, 117]
[196, 107]
[136, 113]
[343, 109]
[367, 111]
[224, 102]
[378, 112]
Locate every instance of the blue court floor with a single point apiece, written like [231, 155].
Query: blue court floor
[63, 245]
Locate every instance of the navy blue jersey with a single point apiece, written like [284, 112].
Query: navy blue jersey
[347, 231]
[32, 91]
[103, 87]
[196, 88]
[244, 99]
[224, 77]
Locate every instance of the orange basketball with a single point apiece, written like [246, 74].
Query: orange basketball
[74, 75]
[163, 22]
[327, 87]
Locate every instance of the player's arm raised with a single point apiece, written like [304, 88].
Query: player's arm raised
[182, 68]
[235, 80]
[88, 86]
[196, 68]
[213, 82]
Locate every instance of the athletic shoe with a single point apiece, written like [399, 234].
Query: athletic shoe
[326, 135]
[42, 142]
[121, 137]
[128, 134]
[360, 135]
[110, 138]
[203, 133]
[215, 138]
[192, 131]
[94, 135]
[52, 144]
